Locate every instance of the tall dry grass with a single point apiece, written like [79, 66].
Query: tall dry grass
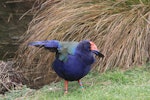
[120, 29]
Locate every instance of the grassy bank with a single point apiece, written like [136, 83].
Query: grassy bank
[113, 85]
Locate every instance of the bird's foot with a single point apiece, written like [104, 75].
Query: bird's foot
[66, 92]
[81, 85]
[82, 88]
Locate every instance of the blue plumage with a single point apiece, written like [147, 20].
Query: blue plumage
[73, 59]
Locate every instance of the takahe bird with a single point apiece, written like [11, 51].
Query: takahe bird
[73, 59]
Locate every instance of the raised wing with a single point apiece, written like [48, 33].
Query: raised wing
[51, 45]
[62, 49]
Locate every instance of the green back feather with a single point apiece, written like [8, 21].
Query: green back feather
[65, 49]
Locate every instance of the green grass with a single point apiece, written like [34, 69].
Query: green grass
[112, 85]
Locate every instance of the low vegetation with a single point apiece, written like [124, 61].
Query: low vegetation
[132, 84]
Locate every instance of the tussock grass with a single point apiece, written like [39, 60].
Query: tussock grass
[111, 85]
[120, 29]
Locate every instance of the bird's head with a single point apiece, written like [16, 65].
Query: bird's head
[89, 46]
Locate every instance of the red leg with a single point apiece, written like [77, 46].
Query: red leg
[66, 87]
[80, 83]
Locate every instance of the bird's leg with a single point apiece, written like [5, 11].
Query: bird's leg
[80, 83]
[66, 87]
